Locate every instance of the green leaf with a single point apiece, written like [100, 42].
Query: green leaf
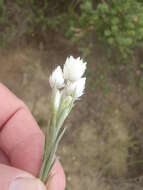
[110, 41]
[107, 32]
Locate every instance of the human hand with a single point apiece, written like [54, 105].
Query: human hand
[21, 148]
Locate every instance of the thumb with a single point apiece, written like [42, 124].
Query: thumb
[15, 179]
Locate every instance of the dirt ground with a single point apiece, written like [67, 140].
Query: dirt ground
[102, 147]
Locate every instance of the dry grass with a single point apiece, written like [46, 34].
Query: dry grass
[109, 146]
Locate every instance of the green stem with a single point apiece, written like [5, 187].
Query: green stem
[54, 135]
[51, 159]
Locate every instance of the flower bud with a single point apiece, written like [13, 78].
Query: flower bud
[56, 79]
[74, 68]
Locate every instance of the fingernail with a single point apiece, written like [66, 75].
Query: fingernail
[27, 184]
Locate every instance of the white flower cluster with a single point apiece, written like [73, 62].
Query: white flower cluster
[70, 80]
[67, 85]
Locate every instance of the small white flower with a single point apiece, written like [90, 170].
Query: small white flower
[74, 68]
[57, 100]
[56, 79]
[76, 87]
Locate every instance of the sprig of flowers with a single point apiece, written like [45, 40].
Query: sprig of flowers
[67, 86]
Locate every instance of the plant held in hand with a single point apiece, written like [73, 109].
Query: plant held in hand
[67, 86]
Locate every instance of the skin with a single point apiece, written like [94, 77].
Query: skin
[21, 147]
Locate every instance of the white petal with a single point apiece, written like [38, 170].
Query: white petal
[76, 87]
[74, 68]
[56, 79]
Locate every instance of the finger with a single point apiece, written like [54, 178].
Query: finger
[58, 180]
[15, 179]
[20, 137]
[3, 158]
[21, 140]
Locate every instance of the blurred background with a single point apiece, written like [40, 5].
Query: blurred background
[103, 146]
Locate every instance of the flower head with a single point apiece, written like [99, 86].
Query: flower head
[76, 87]
[74, 68]
[56, 79]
